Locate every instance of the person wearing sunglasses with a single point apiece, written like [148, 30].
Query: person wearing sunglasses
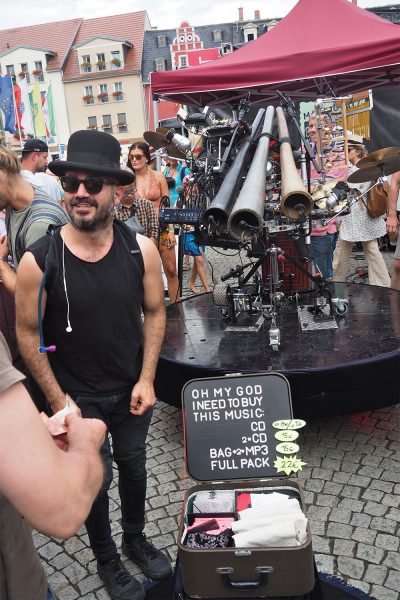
[153, 186]
[101, 276]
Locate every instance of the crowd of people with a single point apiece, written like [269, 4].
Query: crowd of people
[69, 239]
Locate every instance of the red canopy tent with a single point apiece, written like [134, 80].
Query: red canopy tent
[328, 47]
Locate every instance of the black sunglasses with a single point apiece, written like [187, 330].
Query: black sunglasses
[93, 185]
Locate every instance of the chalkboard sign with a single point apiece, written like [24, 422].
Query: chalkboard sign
[229, 433]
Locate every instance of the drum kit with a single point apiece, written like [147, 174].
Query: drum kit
[378, 164]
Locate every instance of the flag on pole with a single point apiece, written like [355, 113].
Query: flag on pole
[48, 113]
[7, 105]
[36, 105]
[24, 107]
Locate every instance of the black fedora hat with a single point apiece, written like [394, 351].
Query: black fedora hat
[95, 152]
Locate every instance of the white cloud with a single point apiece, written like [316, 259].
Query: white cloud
[162, 15]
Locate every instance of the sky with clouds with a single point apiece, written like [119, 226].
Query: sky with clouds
[163, 15]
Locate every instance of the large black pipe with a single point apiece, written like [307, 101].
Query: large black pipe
[219, 210]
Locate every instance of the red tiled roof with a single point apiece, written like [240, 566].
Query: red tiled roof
[129, 26]
[57, 37]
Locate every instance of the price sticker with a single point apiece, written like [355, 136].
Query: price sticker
[288, 464]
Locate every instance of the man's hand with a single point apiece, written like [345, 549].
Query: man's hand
[88, 431]
[171, 239]
[142, 397]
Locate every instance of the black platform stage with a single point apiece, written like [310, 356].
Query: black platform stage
[353, 368]
[327, 587]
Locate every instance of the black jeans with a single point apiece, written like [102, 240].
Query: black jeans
[128, 433]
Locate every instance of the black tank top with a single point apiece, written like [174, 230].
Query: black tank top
[103, 353]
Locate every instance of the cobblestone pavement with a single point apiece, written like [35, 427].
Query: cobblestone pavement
[352, 490]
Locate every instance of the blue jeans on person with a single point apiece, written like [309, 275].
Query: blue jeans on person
[128, 433]
[50, 594]
[322, 246]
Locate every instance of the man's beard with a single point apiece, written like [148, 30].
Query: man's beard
[103, 215]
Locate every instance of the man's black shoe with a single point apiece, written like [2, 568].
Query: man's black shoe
[118, 582]
[152, 562]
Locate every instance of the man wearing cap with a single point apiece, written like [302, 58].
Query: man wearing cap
[105, 355]
[34, 160]
[29, 212]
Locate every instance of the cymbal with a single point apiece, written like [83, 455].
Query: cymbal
[157, 140]
[378, 156]
[375, 170]
[162, 130]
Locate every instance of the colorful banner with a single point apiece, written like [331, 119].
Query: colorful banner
[25, 109]
[7, 103]
[36, 105]
[48, 113]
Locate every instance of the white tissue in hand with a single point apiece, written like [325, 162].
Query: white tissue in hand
[57, 421]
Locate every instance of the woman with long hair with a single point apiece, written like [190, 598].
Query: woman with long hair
[153, 186]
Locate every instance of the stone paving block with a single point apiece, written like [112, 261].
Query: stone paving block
[375, 509]
[84, 556]
[383, 524]
[351, 491]
[164, 477]
[163, 541]
[371, 460]
[360, 480]
[317, 527]
[350, 504]
[57, 581]
[309, 497]
[394, 513]
[361, 534]
[89, 584]
[370, 553]
[325, 563]
[39, 539]
[158, 513]
[391, 476]
[332, 488]
[359, 585]
[373, 495]
[387, 542]
[340, 515]
[350, 467]
[50, 550]
[351, 567]
[60, 561]
[48, 568]
[330, 464]
[326, 500]
[158, 501]
[67, 593]
[343, 547]
[314, 485]
[318, 513]
[393, 580]
[391, 500]
[151, 529]
[360, 520]
[382, 593]
[376, 574]
[320, 544]
[75, 573]
[73, 545]
[168, 525]
[339, 530]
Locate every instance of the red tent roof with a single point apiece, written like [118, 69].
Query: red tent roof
[318, 39]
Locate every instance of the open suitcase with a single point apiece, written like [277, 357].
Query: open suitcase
[231, 447]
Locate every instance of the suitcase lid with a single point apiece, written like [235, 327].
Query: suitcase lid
[229, 431]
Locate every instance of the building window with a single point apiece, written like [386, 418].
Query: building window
[250, 37]
[24, 72]
[86, 65]
[103, 93]
[38, 70]
[107, 123]
[101, 62]
[115, 59]
[159, 64]
[161, 41]
[88, 94]
[121, 122]
[217, 35]
[92, 123]
[11, 71]
[118, 93]
[183, 62]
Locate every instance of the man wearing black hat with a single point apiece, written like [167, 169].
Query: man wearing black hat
[34, 161]
[100, 277]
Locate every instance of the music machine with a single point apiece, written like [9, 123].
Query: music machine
[247, 192]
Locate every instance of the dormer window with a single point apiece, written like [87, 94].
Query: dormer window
[86, 65]
[217, 35]
[115, 59]
[250, 32]
[159, 64]
[161, 41]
